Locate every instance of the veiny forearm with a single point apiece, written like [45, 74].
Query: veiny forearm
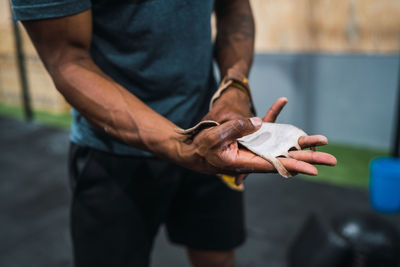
[112, 108]
[235, 34]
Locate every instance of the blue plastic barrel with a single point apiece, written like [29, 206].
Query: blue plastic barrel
[384, 184]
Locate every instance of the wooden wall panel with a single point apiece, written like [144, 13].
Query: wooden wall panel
[340, 26]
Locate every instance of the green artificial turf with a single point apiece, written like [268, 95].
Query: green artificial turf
[61, 121]
[352, 168]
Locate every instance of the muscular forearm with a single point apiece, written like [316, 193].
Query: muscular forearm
[64, 47]
[235, 35]
[112, 108]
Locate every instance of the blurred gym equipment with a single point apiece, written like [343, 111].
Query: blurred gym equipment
[348, 240]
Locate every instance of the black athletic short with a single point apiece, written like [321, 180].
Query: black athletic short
[119, 202]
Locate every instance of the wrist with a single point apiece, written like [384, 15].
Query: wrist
[234, 99]
[178, 148]
[233, 104]
[168, 146]
[233, 93]
[185, 152]
[234, 79]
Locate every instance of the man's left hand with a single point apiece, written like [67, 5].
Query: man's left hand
[235, 104]
[270, 116]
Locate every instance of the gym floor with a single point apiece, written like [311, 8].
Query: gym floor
[34, 199]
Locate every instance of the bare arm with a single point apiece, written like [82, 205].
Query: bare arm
[235, 35]
[234, 49]
[63, 45]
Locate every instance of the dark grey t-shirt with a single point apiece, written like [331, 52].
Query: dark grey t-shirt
[159, 50]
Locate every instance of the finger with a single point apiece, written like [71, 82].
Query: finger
[314, 157]
[248, 164]
[312, 141]
[275, 109]
[232, 130]
[240, 178]
[298, 166]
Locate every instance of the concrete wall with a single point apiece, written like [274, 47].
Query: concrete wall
[348, 97]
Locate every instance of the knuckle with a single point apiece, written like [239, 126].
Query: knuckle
[206, 138]
[210, 138]
[239, 125]
[272, 110]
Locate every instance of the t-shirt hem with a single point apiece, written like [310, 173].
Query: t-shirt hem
[49, 10]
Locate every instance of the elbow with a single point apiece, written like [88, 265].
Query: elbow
[65, 62]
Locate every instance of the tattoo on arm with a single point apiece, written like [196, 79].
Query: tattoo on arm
[241, 28]
[235, 34]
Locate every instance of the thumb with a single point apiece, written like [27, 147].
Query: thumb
[235, 129]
